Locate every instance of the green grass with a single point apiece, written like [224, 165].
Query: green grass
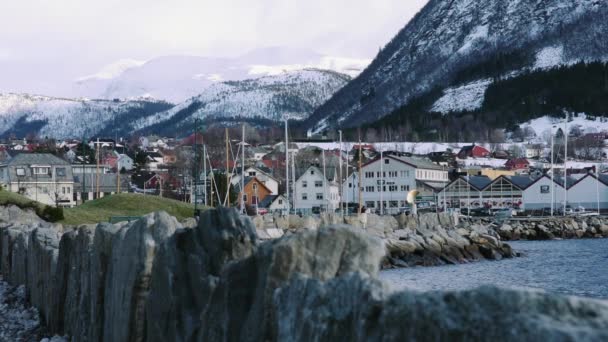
[125, 205]
[8, 198]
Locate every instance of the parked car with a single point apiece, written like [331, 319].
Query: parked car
[579, 210]
[481, 212]
[503, 213]
[567, 211]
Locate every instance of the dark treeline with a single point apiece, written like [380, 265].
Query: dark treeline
[579, 88]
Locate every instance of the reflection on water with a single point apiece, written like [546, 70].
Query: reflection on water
[573, 267]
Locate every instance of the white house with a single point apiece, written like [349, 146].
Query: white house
[387, 181]
[41, 177]
[269, 181]
[275, 203]
[125, 162]
[312, 190]
[587, 191]
[91, 168]
[538, 194]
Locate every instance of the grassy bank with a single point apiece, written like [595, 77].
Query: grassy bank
[8, 198]
[125, 205]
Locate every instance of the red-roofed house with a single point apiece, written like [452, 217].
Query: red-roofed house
[473, 151]
[517, 164]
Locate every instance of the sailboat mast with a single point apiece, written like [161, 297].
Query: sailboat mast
[227, 199]
[359, 175]
[243, 169]
[287, 163]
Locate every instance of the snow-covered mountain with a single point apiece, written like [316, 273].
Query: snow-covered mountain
[458, 48]
[266, 99]
[22, 114]
[177, 78]
[294, 94]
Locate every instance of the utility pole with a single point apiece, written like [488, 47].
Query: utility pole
[287, 164]
[195, 173]
[227, 199]
[325, 182]
[97, 171]
[205, 172]
[340, 176]
[84, 152]
[552, 174]
[359, 175]
[381, 181]
[566, 163]
[243, 170]
[293, 181]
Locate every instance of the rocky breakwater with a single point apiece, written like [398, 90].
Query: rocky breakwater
[553, 228]
[154, 280]
[426, 240]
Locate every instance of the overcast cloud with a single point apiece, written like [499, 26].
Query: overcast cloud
[43, 42]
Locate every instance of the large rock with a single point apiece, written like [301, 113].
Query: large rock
[356, 308]
[18, 270]
[324, 254]
[42, 253]
[128, 279]
[187, 271]
[100, 261]
[17, 216]
[73, 283]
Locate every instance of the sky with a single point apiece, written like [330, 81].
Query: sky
[49, 42]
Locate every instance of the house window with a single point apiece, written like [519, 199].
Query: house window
[393, 204]
[304, 184]
[369, 189]
[312, 172]
[319, 196]
[255, 187]
[386, 161]
[60, 171]
[370, 204]
[280, 201]
[304, 196]
[392, 188]
[544, 189]
[392, 174]
[20, 171]
[41, 170]
[405, 188]
[244, 197]
[252, 173]
[318, 184]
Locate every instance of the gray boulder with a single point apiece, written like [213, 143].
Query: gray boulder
[187, 272]
[42, 253]
[134, 248]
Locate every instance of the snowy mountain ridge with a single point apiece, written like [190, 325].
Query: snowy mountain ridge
[295, 94]
[448, 37]
[177, 78]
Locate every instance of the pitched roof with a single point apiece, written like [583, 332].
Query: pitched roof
[522, 182]
[267, 201]
[418, 163]
[478, 182]
[36, 158]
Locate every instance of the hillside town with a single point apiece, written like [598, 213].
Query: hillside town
[322, 175]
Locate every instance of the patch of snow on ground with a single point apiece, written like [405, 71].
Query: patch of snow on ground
[549, 57]
[586, 124]
[478, 33]
[466, 97]
[488, 162]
